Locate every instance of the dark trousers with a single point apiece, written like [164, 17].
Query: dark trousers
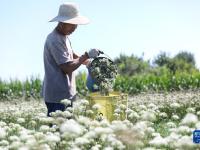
[52, 107]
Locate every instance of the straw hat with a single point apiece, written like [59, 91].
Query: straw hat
[69, 13]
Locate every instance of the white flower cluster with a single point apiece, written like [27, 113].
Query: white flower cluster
[103, 71]
[152, 124]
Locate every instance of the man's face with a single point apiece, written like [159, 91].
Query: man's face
[67, 28]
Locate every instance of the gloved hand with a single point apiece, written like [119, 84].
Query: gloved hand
[93, 53]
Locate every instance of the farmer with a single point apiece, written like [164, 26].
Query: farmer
[60, 61]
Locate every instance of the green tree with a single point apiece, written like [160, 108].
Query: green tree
[182, 62]
[131, 65]
[162, 59]
[186, 57]
[180, 65]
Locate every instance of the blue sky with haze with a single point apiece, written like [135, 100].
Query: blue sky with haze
[128, 26]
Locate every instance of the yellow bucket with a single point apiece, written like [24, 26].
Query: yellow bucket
[109, 104]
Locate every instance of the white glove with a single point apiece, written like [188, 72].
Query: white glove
[93, 53]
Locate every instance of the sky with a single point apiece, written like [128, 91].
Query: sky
[128, 27]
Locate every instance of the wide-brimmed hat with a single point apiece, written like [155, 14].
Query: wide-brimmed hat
[69, 13]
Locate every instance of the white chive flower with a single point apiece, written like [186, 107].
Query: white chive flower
[158, 141]
[52, 138]
[20, 120]
[2, 133]
[44, 128]
[175, 105]
[189, 119]
[71, 127]
[66, 102]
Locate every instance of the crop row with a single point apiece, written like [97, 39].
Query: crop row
[31, 88]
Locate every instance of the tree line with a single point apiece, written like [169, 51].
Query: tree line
[133, 65]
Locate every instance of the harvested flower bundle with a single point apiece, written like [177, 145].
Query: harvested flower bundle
[104, 72]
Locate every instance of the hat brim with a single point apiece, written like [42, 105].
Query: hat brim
[79, 20]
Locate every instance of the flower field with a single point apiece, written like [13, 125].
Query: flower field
[154, 121]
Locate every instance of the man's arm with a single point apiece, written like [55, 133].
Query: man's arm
[69, 67]
[86, 62]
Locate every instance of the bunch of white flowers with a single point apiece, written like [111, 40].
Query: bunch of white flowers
[51, 138]
[21, 120]
[66, 102]
[133, 116]
[158, 141]
[175, 117]
[71, 127]
[175, 105]
[2, 133]
[190, 119]
[44, 128]
[171, 125]
[103, 71]
[148, 116]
